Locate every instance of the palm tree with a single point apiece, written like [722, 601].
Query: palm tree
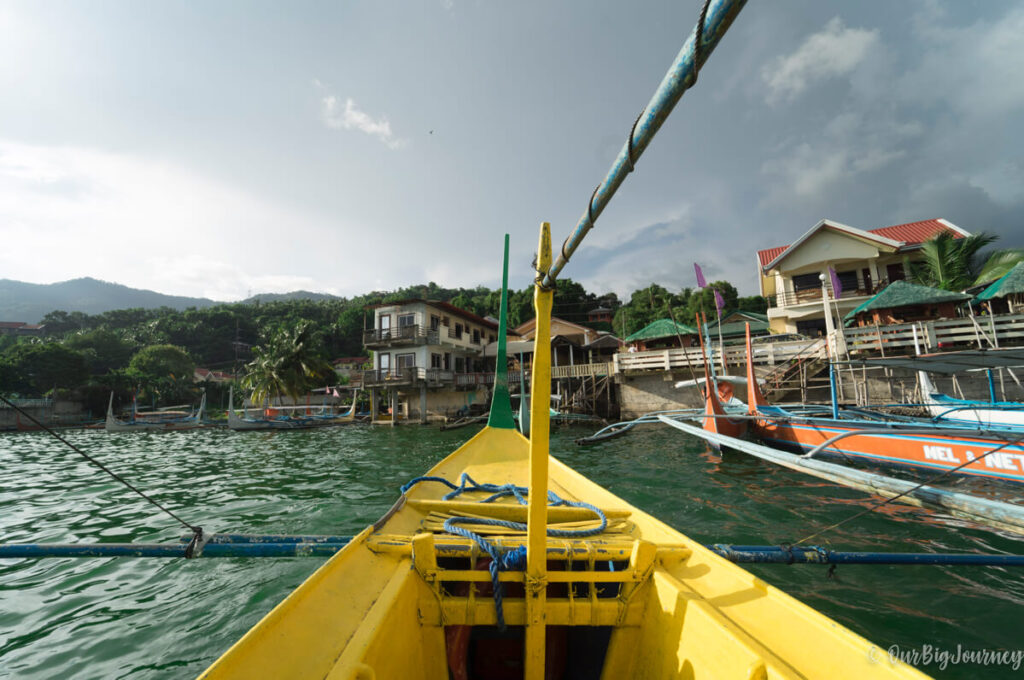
[999, 264]
[950, 263]
[286, 364]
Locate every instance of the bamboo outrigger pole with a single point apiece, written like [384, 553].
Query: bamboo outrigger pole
[716, 18]
[540, 427]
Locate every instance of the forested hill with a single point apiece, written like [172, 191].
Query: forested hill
[110, 350]
[30, 302]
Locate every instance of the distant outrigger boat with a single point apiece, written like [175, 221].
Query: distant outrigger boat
[155, 421]
[236, 422]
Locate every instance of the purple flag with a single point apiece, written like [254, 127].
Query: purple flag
[837, 286]
[700, 276]
[719, 302]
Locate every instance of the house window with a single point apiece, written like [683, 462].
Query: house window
[436, 361]
[405, 361]
[435, 322]
[848, 280]
[447, 361]
[491, 338]
[460, 364]
[458, 331]
[806, 282]
[895, 272]
[406, 325]
[476, 336]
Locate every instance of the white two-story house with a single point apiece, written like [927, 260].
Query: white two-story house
[427, 349]
[864, 261]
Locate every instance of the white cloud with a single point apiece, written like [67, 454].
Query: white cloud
[974, 70]
[67, 212]
[832, 52]
[850, 145]
[337, 117]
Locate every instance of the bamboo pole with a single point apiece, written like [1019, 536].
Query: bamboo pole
[680, 76]
[540, 423]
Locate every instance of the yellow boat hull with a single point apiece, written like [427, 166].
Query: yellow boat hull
[673, 609]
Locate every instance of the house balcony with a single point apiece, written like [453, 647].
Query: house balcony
[812, 296]
[407, 376]
[410, 377]
[404, 336]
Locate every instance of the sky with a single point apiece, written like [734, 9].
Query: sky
[225, 149]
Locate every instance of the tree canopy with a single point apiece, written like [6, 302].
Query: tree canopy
[957, 263]
[130, 349]
[287, 363]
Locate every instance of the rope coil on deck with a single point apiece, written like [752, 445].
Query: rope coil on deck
[508, 560]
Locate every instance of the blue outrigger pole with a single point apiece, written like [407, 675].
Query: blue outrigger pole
[716, 18]
[254, 545]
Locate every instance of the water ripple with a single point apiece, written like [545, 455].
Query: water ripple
[103, 618]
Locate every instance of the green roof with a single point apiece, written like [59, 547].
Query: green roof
[739, 328]
[904, 294]
[758, 324]
[1012, 282]
[662, 328]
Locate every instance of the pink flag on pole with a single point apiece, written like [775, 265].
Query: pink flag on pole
[335, 392]
[700, 276]
[719, 302]
[837, 286]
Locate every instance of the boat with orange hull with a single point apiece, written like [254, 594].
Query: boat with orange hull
[716, 392]
[992, 453]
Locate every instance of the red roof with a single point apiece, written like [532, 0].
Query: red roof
[916, 232]
[12, 324]
[911, 234]
[766, 256]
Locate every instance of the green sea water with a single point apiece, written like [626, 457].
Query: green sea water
[157, 618]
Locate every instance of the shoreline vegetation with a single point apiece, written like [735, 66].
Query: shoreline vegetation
[153, 353]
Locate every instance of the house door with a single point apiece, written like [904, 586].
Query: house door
[895, 272]
[406, 325]
[405, 363]
[385, 326]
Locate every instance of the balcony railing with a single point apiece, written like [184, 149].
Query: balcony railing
[799, 297]
[416, 375]
[403, 335]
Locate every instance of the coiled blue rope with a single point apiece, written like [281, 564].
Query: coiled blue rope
[509, 560]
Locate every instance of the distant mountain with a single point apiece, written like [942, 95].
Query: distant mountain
[30, 302]
[294, 295]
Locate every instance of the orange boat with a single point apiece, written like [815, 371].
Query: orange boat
[997, 454]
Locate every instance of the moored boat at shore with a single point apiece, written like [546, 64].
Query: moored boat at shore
[281, 422]
[157, 421]
[955, 448]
